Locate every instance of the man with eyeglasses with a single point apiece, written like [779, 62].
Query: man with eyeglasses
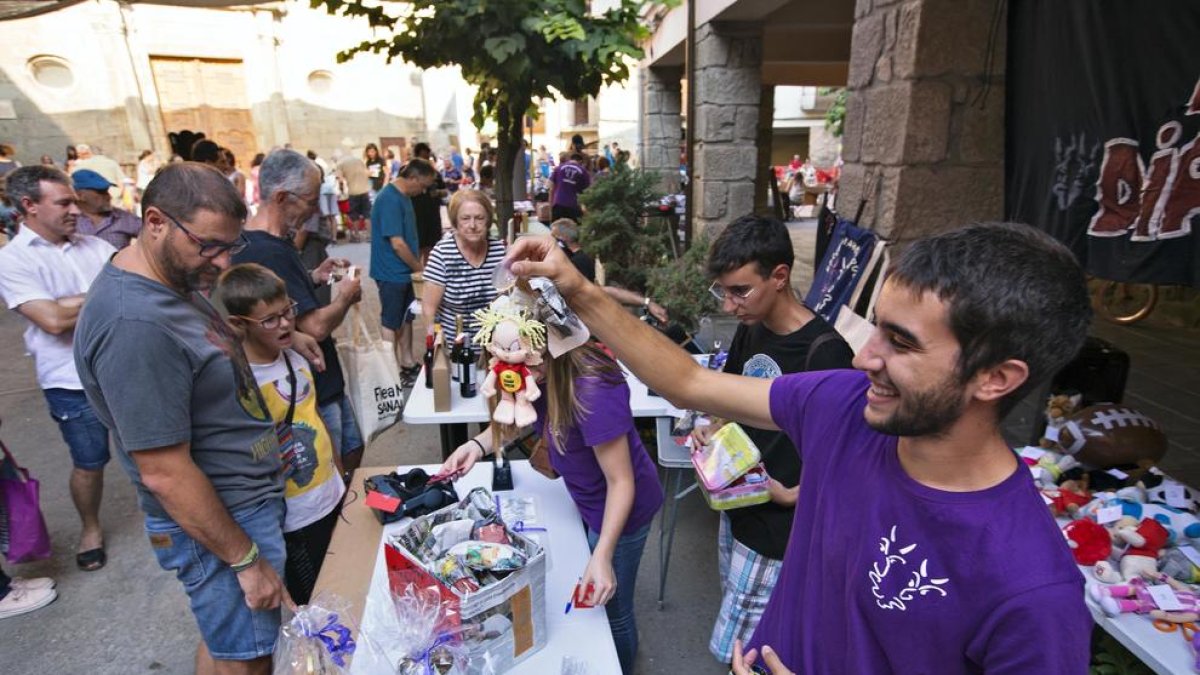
[44, 273]
[290, 189]
[170, 380]
[751, 266]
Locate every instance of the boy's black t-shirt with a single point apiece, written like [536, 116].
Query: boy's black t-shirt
[757, 352]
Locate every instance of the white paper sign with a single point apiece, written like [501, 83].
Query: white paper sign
[1117, 473]
[1177, 496]
[1051, 434]
[1109, 514]
[1164, 596]
[1032, 452]
[1191, 554]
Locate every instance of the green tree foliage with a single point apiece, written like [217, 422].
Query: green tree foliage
[614, 231]
[681, 285]
[513, 50]
[835, 117]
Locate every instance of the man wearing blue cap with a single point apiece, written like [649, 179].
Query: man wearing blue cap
[98, 217]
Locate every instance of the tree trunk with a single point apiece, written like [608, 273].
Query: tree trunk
[508, 149]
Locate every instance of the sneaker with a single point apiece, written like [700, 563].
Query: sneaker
[20, 600]
[31, 584]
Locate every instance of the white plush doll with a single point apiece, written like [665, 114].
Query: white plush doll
[515, 342]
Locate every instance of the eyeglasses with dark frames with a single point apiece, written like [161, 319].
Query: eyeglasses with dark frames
[272, 322]
[210, 249]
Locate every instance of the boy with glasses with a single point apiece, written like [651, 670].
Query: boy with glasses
[261, 311]
[751, 263]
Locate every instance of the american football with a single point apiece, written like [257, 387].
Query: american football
[1109, 435]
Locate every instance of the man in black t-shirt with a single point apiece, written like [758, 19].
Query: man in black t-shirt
[290, 188]
[566, 231]
[751, 264]
[428, 206]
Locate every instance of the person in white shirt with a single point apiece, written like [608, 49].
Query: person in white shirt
[44, 274]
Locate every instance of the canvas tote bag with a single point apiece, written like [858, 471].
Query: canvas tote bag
[372, 378]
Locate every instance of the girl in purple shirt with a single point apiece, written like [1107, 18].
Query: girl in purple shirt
[584, 416]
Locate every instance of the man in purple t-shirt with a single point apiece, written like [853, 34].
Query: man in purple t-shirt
[567, 181]
[920, 543]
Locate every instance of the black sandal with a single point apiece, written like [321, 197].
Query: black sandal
[90, 561]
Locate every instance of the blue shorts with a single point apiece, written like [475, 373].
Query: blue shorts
[230, 629]
[85, 436]
[395, 299]
[339, 420]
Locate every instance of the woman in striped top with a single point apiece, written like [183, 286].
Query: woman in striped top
[458, 276]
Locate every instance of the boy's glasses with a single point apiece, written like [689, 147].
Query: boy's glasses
[737, 294]
[272, 322]
[211, 249]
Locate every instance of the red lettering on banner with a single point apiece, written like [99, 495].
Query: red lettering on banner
[1183, 203]
[1159, 177]
[1118, 190]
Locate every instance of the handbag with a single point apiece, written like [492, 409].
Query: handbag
[23, 533]
[372, 379]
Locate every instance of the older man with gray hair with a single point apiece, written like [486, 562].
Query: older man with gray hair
[290, 189]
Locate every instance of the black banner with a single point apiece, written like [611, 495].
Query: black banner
[1103, 132]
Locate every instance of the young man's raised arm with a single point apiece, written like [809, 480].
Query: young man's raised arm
[657, 361]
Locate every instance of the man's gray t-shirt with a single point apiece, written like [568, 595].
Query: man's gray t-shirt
[161, 369]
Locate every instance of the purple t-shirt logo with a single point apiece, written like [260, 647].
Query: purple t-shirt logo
[894, 583]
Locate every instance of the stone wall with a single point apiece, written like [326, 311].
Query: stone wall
[924, 141]
[662, 124]
[728, 94]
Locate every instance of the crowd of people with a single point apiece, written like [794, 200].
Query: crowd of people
[193, 334]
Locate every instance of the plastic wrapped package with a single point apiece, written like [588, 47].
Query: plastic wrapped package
[728, 455]
[317, 640]
[746, 490]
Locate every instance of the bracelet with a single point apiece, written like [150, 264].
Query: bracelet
[482, 451]
[248, 560]
[646, 302]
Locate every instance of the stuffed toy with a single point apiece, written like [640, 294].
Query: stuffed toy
[1178, 566]
[1162, 490]
[1104, 436]
[1179, 524]
[1090, 543]
[1050, 468]
[1134, 597]
[1145, 540]
[1057, 409]
[1065, 500]
[515, 342]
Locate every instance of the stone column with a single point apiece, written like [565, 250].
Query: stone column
[924, 142]
[662, 125]
[728, 92]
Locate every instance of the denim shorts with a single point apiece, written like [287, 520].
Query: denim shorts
[85, 436]
[339, 420]
[230, 629]
[394, 299]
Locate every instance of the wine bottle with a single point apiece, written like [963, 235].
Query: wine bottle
[428, 360]
[468, 380]
[456, 351]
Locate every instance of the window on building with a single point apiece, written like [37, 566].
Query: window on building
[320, 82]
[51, 71]
[581, 113]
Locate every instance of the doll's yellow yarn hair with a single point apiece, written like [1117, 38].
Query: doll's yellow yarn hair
[529, 329]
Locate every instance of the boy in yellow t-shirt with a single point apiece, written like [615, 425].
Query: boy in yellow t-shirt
[260, 310]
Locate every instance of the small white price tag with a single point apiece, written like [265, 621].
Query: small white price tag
[1164, 596]
[1051, 434]
[1047, 499]
[1117, 473]
[1032, 452]
[1108, 514]
[1191, 554]
[1177, 496]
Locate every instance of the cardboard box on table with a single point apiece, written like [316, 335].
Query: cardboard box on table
[441, 378]
[514, 606]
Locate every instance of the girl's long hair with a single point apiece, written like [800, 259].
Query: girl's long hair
[563, 408]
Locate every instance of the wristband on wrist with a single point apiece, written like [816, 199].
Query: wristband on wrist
[482, 452]
[248, 560]
[646, 302]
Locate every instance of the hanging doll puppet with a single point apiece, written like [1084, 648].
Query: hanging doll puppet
[515, 341]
